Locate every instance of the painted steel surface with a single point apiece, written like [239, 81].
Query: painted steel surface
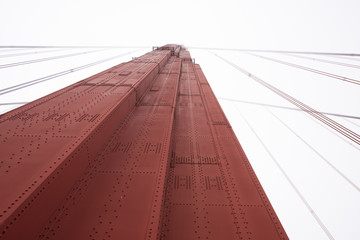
[139, 151]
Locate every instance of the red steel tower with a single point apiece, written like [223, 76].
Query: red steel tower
[142, 150]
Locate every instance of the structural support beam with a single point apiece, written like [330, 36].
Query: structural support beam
[139, 151]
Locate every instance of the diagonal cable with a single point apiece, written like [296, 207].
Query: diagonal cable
[8, 65]
[315, 151]
[326, 61]
[346, 79]
[319, 116]
[56, 75]
[283, 107]
[30, 53]
[322, 225]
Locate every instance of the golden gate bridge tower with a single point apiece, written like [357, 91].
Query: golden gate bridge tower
[142, 150]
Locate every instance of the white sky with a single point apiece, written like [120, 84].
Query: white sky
[330, 26]
[268, 24]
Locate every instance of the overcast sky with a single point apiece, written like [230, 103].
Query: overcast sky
[323, 26]
[268, 24]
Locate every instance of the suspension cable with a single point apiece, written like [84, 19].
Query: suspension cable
[72, 47]
[56, 75]
[275, 51]
[326, 61]
[324, 228]
[341, 137]
[355, 124]
[349, 58]
[301, 110]
[283, 107]
[47, 59]
[11, 50]
[321, 117]
[315, 151]
[350, 80]
[30, 53]
[194, 47]
[13, 103]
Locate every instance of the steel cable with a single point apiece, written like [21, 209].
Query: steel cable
[47, 59]
[283, 107]
[312, 119]
[348, 58]
[321, 117]
[59, 74]
[11, 50]
[13, 103]
[275, 51]
[71, 47]
[30, 53]
[194, 47]
[355, 124]
[350, 80]
[312, 211]
[315, 151]
[326, 61]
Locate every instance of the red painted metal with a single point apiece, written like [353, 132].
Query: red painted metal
[139, 151]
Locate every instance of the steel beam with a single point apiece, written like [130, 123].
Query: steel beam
[139, 151]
